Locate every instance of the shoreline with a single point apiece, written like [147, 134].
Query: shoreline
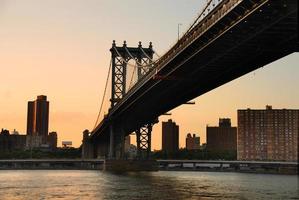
[256, 167]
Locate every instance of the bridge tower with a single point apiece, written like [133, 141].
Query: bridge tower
[120, 56]
[143, 137]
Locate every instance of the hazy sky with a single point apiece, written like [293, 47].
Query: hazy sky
[60, 48]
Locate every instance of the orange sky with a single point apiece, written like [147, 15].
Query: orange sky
[61, 49]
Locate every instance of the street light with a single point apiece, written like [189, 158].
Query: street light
[179, 24]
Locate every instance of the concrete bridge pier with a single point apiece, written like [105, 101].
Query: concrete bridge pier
[87, 146]
[116, 142]
[93, 149]
[100, 149]
[116, 160]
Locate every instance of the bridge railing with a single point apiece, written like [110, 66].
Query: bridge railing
[203, 25]
[206, 21]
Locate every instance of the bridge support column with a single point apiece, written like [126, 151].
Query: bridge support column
[143, 137]
[87, 146]
[120, 144]
[116, 143]
[101, 149]
[111, 143]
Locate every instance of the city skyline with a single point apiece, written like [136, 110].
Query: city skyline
[72, 49]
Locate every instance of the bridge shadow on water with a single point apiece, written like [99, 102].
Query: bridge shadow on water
[152, 186]
[192, 185]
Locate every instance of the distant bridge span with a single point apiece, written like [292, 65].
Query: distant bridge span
[233, 39]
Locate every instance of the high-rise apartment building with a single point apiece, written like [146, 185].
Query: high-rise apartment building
[38, 117]
[270, 134]
[170, 136]
[192, 143]
[222, 137]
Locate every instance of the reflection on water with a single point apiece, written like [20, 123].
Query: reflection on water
[46, 184]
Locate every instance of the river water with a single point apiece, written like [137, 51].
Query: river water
[80, 184]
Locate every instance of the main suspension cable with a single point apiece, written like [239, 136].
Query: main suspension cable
[199, 16]
[139, 64]
[146, 55]
[131, 81]
[102, 103]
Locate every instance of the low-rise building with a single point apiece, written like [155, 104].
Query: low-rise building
[34, 141]
[222, 137]
[192, 142]
[10, 142]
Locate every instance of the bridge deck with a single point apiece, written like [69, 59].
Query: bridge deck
[226, 45]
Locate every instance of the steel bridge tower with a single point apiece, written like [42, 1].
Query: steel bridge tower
[120, 56]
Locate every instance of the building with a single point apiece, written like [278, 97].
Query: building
[34, 141]
[38, 125]
[192, 143]
[67, 144]
[10, 142]
[38, 117]
[270, 134]
[52, 140]
[170, 136]
[223, 137]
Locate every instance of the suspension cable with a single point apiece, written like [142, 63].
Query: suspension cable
[139, 64]
[146, 54]
[199, 16]
[106, 84]
[131, 81]
[132, 56]
[157, 55]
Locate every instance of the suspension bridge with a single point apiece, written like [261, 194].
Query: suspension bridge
[228, 39]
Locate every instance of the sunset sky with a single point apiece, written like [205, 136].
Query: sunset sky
[60, 48]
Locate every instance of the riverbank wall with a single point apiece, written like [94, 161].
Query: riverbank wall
[52, 164]
[262, 167]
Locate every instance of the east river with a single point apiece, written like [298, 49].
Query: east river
[63, 184]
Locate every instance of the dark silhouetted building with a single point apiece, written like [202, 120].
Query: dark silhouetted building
[52, 140]
[192, 143]
[10, 142]
[170, 136]
[34, 141]
[225, 122]
[38, 125]
[270, 134]
[222, 138]
[38, 117]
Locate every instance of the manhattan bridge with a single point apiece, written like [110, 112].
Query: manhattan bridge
[228, 39]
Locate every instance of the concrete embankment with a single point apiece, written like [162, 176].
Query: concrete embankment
[52, 164]
[265, 167]
[153, 165]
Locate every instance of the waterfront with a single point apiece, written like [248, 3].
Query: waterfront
[80, 184]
